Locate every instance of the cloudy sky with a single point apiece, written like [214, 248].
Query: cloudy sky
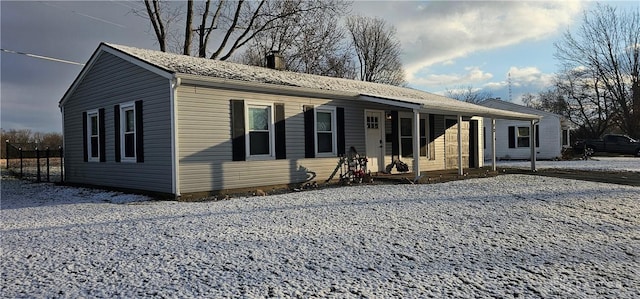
[446, 45]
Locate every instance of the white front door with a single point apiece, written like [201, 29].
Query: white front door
[374, 126]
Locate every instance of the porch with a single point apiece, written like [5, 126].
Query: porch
[415, 110]
[437, 176]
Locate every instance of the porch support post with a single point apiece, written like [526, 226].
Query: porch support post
[460, 170]
[416, 144]
[532, 144]
[493, 144]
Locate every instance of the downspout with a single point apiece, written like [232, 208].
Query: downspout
[175, 167]
[532, 144]
[460, 170]
[416, 144]
[493, 144]
[62, 159]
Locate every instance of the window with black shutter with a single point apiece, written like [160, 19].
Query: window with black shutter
[128, 127]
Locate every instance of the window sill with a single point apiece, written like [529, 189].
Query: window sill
[260, 158]
[326, 155]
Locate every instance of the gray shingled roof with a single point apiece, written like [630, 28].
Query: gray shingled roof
[182, 64]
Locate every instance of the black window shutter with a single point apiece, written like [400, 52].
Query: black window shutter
[537, 128]
[395, 145]
[139, 133]
[432, 137]
[423, 141]
[281, 146]
[116, 134]
[309, 132]
[84, 137]
[237, 131]
[512, 137]
[340, 127]
[101, 135]
[484, 137]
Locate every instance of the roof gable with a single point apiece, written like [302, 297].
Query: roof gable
[104, 48]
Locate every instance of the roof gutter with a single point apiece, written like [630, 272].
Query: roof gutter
[391, 102]
[441, 108]
[262, 87]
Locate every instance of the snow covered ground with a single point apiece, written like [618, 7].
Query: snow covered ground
[595, 164]
[506, 236]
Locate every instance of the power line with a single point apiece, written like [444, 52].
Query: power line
[42, 57]
[85, 15]
[126, 4]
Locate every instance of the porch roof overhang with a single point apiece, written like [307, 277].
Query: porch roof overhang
[437, 106]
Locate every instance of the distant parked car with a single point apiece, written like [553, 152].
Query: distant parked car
[611, 143]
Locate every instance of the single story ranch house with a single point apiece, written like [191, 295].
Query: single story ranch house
[551, 136]
[188, 127]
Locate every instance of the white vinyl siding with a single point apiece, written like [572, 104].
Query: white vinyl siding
[206, 149]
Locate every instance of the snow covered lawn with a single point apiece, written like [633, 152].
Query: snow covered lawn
[506, 236]
[595, 164]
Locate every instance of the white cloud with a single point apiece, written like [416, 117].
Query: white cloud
[441, 31]
[472, 75]
[530, 76]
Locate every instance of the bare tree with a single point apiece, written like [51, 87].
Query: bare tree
[550, 100]
[26, 139]
[162, 17]
[608, 45]
[530, 100]
[312, 43]
[553, 101]
[581, 96]
[232, 23]
[22, 136]
[468, 94]
[188, 33]
[378, 50]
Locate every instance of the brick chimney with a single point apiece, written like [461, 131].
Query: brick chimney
[275, 60]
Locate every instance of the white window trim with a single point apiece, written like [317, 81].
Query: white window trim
[402, 115]
[518, 136]
[272, 141]
[562, 139]
[425, 117]
[91, 113]
[123, 121]
[334, 130]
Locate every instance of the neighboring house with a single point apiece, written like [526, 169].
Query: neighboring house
[512, 136]
[188, 127]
